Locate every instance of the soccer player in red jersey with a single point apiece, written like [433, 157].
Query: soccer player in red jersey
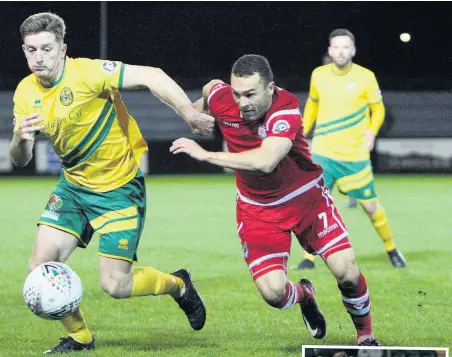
[280, 190]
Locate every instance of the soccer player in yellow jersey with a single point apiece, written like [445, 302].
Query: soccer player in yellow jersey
[76, 103]
[352, 203]
[343, 99]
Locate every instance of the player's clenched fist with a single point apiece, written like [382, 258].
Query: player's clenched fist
[29, 126]
[201, 123]
[189, 147]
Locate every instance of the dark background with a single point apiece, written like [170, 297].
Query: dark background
[196, 41]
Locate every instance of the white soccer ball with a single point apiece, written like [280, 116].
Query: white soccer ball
[53, 291]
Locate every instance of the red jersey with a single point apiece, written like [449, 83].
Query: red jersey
[295, 174]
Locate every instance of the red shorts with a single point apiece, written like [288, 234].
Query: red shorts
[265, 231]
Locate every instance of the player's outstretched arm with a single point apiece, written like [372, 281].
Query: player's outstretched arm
[21, 146]
[263, 159]
[167, 90]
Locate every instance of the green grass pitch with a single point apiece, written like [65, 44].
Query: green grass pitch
[191, 223]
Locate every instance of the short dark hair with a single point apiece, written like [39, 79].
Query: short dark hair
[341, 32]
[248, 65]
[44, 22]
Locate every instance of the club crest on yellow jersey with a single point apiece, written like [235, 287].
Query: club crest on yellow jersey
[66, 96]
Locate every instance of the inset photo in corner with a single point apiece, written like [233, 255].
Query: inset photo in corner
[360, 351]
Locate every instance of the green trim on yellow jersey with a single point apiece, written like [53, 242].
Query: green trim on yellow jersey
[77, 150]
[340, 128]
[337, 121]
[58, 80]
[121, 75]
[88, 150]
[100, 138]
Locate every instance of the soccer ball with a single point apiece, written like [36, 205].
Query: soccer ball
[53, 291]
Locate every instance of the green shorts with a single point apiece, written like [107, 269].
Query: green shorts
[353, 178]
[116, 216]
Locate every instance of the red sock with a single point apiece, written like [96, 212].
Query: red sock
[357, 302]
[294, 293]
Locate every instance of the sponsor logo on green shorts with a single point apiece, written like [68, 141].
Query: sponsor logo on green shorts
[123, 244]
[54, 204]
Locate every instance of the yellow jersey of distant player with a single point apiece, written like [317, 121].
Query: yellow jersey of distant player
[98, 143]
[343, 113]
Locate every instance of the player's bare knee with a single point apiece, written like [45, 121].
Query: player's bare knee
[273, 293]
[349, 274]
[117, 284]
[113, 288]
[272, 286]
[343, 266]
[370, 207]
[347, 271]
[273, 297]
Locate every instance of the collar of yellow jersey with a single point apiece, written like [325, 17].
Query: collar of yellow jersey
[59, 78]
[338, 72]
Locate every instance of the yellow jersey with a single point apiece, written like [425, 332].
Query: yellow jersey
[98, 143]
[343, 111]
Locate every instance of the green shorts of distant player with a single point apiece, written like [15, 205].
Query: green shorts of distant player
[353, 178]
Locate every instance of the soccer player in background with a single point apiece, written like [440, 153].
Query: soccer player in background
[76, 103]
[280, 190]
[352, 202]
[342, 97]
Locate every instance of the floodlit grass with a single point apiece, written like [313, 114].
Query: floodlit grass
[191, 223]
